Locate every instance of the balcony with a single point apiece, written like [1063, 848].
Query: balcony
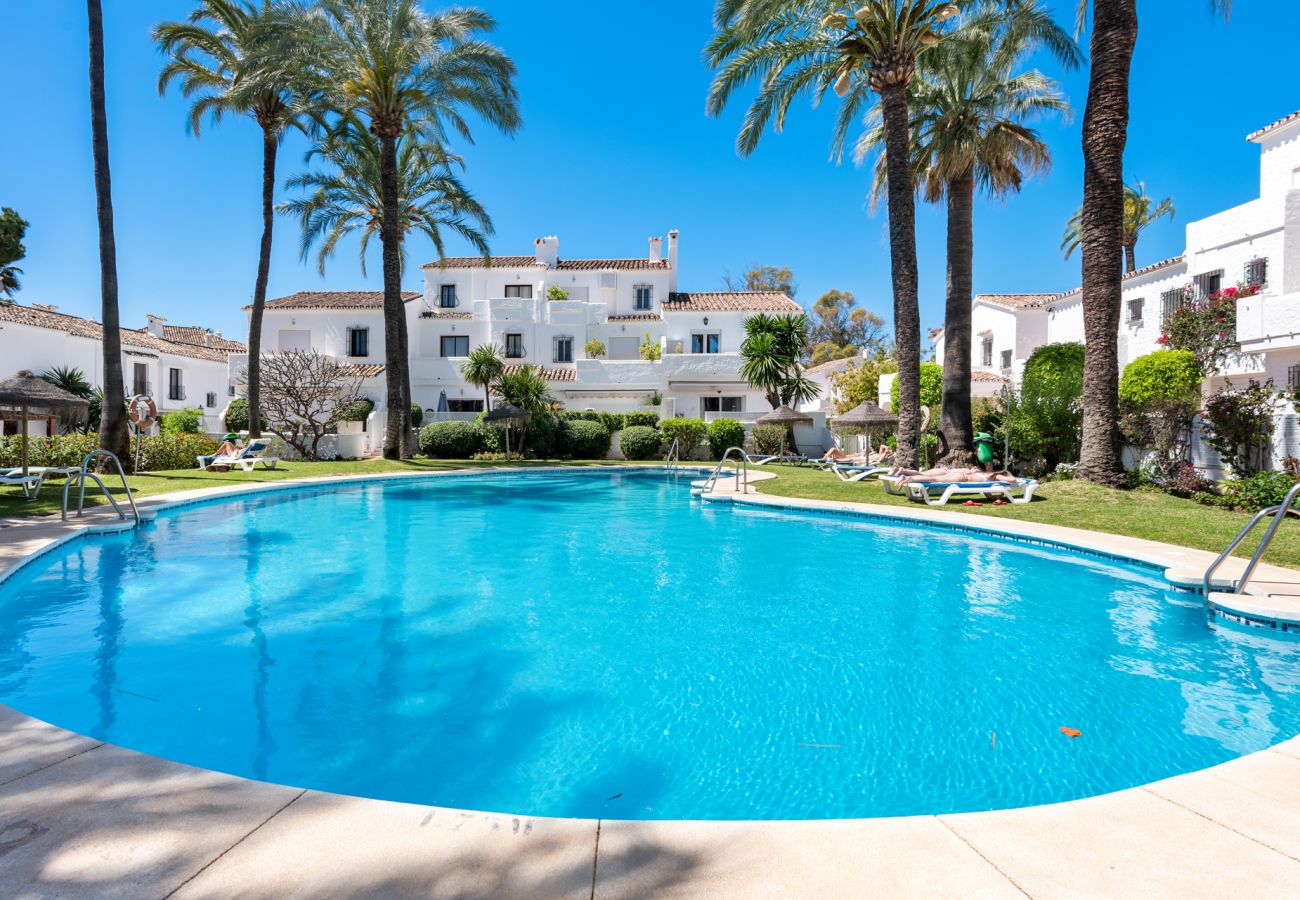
[1268, 322]
[673, 368]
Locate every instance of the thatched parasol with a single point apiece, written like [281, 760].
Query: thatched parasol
[788, 418]
[867, 417]
[505, 413]
[26, 392]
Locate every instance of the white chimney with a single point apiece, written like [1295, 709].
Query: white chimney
[672, 260]
[548, 250]
[155, 326]
[656, 249]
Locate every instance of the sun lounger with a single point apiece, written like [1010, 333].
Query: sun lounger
[778, 458]
[30, 484]
[43, 471]
[937, 493]
[859, 473]
[246, 459]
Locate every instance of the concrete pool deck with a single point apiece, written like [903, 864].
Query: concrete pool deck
[79, 817]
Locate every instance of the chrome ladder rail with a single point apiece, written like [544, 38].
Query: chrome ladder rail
[742, 470]
[81, 482]
[674, 455]
[1278, 512]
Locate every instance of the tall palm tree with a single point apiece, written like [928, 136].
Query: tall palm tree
[238, 57]
[1139, 212]
[968, 108]
[113, 435]
[1105, 133]
[347, 198]
[795, 47]
[403, 71]
[483, 367]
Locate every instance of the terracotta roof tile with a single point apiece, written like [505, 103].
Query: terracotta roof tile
[335, 300]
[548, 374]
[519, 262]
[204, 337]
[1136, 273]
[445, 314]
[1259, 133]
[1015, 301]
[363, 370]
[634, 317]
[834, 365]
[131, 337]
[980, 375]
[726, 301]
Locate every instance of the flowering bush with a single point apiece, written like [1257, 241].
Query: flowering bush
[1259, 491]
[1239, 423]
[1187, 481]
[1207, 327]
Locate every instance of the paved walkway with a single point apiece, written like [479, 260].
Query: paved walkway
[83, 818]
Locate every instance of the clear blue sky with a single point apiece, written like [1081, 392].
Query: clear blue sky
[615, 147]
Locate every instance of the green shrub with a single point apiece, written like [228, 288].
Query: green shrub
[450, 440]
[356, 411]
[724, 433]
[182, 421]
[648, 419]
[1159, 394]
[1238, 424]
[493, 436]
[1259, 491]
[162, 452]
[545, 437]
[417, 415]
[650, 349]
[640, 442]
[1047, 419]
[931, 386]
[237, 416]
[585, 439]
[159, 452]
[689, 434]
[770, 438]
[1166, 376]
[594, 348]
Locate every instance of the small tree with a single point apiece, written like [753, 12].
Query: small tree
[860, 382]
[1048, 419]
[1208, 327]
[1239, 423]
[555, 292]
[594, 348]
[931, 386]
[303, 395]
[650, 349]
[1159, 394]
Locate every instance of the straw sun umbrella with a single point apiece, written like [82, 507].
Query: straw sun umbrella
[27, 393]
[787, 418]
[866, 417]
[505, 413]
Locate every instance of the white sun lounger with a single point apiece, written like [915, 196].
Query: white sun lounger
[938, 493]
[246, 459]
[858, 473]
[30, 484]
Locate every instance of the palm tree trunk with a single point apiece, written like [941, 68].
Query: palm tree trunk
[487, 397]
[902, 254]
[955, 415]
[1130, 258]
[396, 365]
[113, 434]
[269, 146]
[1105, 132]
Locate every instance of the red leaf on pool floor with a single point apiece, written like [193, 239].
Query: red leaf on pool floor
[1070, 732]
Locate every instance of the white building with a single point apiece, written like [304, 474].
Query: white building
[542, 310]
[180, 367]
[1257, 242]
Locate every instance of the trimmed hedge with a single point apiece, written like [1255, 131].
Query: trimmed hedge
[585, 440]
[237, 416]
[182, 421]
[689, 433]
[614, 422]
[770, 439]
[356, 411]
[450, 440]
[724, 433]
[160, 452]
[640, 442]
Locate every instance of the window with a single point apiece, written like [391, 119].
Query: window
[1006, 359]
[454, 345]
[174, 389]
[705, 342]
[358, 342]
[446, 295]
[1206, 284]
[722, 404]
[1293, 376]
[230, 390]
[644, 294]
[212, 399]
[563, 350]
[1256, 271]
[1135, 311]
[514, 346]
[522, 291]
[465, 406]
[986, 352]
[1170, 302]
[140, 379]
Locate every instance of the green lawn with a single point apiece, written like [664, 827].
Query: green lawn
[1144, 514]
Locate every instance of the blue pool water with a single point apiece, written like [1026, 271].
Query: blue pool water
[595, 644]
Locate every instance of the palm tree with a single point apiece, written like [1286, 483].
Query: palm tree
[1105, 132]
[771, 354]
[527, 389]
[237, 57]
[113, 435]
[794, 47]
[483, 367]
[968, 107]
[1138, 214]
[346, 199]
[407, 72]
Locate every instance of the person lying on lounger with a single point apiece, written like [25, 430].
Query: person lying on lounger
[229, 447]
[835, 454]
[949, 476]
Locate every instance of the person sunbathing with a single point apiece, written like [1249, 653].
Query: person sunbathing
[957, 474]
[835, 454]
[229, 447]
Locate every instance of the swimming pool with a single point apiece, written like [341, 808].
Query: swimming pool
[596, 644]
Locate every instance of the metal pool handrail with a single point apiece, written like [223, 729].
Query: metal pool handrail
[742, 468]
[674, 455]
[1278, 512]
[86, 473]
